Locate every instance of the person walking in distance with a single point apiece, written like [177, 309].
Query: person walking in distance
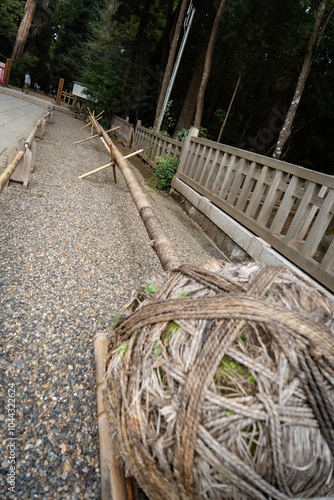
[27, 82]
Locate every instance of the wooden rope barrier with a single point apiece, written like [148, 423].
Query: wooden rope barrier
[6, 175]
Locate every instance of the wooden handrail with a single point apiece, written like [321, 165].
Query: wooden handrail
[288, 206]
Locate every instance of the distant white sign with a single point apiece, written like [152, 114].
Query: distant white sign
[79, 90]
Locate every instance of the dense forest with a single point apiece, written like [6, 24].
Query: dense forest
[255, 74]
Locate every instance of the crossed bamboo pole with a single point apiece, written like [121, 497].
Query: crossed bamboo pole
[161, 243]
[114, 486]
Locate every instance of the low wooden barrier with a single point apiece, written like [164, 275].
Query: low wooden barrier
[125, 130]
[288, 206]
[155, 144]
[21, 160]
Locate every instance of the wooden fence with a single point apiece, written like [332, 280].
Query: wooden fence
[288, 206]
[125, 132]
[71, 100]
[155, 144]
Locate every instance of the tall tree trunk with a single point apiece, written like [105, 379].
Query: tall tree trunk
[189, 106]
[23, 31]
[207, 64]
[171, 57]
[144, 19]
[312, 43]
[229, 108]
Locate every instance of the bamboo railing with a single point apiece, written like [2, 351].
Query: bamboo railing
[125, 130]
[10, 169]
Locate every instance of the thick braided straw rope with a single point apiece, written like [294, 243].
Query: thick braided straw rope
[221, 385]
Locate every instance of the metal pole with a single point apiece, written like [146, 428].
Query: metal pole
[187, 25]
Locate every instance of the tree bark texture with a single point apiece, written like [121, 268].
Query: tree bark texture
[189, 106]
[23, 31]
[171, 58]
[208, 64]
[312, 43]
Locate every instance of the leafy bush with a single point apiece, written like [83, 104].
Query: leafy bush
[165, 171]
[182, 134]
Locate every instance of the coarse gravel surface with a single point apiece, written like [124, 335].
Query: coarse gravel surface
[72, 253]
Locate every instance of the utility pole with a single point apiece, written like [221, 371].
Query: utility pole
[187, 25]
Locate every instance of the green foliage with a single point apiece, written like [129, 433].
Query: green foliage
[172, 327]
[11, 13]
[119, 51]
[203, 133]
[26, 62]
[122, 350]
[165, 171]
[168, 121]
[115, 319]
[157, 349]
[182, 134]
[230, 369]
[150, 288]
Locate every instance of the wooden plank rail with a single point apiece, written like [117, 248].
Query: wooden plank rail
[125, 130]
[155, 144]
[288, 206]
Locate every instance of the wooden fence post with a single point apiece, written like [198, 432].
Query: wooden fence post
[193, 132]
[59, 91]
[7, 72]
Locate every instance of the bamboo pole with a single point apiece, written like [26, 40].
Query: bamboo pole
[108, 164]
[112, 478]
[161, 243]
[6, 175]
[98, 116]
[29, 140]
[96, 135]
[96, 170]
[88, 124]
[133, 154]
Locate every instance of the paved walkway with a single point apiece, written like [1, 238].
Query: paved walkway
[17, 114]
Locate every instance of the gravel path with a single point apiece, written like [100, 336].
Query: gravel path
[72, 252]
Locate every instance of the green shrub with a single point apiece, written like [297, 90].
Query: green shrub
[165, 171]
[182, 134]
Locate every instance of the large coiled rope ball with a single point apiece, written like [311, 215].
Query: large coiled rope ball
[220, 385]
